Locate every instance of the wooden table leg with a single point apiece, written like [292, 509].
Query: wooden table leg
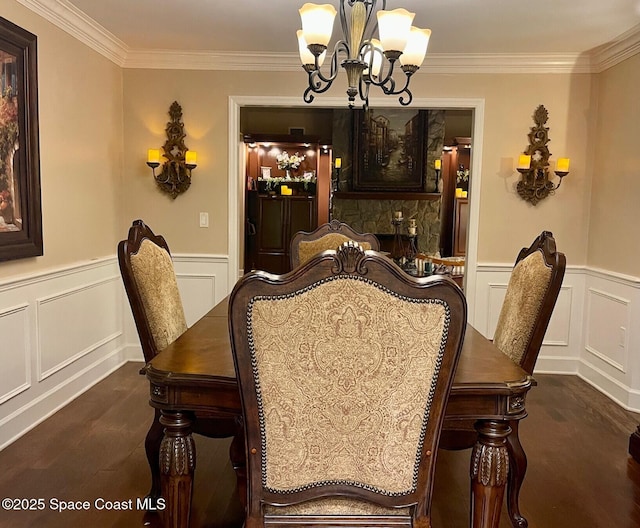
[517, 470]
[177, 464]
[489, 470]
[152, 448]
[634, 444]
[237, 454]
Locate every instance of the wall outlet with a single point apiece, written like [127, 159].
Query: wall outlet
[204, 219]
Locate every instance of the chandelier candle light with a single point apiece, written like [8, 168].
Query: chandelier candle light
[367, 60]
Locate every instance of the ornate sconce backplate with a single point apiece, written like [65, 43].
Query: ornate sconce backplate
[175, 175]
[534, 184]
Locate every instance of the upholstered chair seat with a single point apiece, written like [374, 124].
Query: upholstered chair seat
[305, 245]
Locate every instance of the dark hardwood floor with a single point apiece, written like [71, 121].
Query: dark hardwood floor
[579, 475]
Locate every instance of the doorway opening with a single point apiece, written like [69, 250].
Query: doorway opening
[473, 108]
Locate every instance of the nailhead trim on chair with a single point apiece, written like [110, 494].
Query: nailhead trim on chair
[251, 343]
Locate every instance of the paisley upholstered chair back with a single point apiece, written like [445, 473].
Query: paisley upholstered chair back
[531, 295]
[309, 248]
[151, 286]
[348, 376]
[154, 274]
[305, 245]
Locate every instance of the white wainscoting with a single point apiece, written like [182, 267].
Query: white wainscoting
[594, 331]
[611, 355]
[66, 329]
[62, 331]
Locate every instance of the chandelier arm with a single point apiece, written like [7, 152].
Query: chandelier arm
[307, 97]
[318, 83]
[386, 77]
[341, 45]
[363, 89]
[409, 99]
[343, 17]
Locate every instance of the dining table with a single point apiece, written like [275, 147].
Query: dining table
[195, 376]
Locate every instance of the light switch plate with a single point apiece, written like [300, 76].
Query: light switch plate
[204, 219]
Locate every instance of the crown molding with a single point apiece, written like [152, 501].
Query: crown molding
[73, 21]
[506, 63]
[70, 19]
[614, 52]
[212, 60]
[434, 63]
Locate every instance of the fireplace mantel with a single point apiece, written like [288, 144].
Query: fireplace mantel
[386, 196]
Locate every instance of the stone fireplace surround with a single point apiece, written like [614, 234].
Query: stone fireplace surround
[371, 212]
[374, 216]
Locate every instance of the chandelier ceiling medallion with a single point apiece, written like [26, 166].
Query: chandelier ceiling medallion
[366, 59]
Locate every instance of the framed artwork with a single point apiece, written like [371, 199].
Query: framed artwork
[388, 150]
[265, 172]
[20, 207]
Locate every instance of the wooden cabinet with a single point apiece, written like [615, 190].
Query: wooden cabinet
[460, 222]
[271, 222]
[271, 219]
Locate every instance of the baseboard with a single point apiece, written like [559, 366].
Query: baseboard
[622, 394]
[133, 353]
[39, 409]
[557, 365]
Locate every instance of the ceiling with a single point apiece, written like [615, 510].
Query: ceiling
[459, 26]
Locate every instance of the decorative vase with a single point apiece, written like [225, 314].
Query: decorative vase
[287, 174]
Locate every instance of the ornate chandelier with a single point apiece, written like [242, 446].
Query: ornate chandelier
[367, 60]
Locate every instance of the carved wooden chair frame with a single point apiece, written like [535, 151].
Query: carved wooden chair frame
[211, 426]
[546, 245]
[462, 435]
[348, 261]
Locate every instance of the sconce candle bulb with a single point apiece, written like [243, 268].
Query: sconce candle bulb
[438, 166]
[524, 162]
[190, 159]
[153, 157]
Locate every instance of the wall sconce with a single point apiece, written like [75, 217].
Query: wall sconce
[437, 165]
[533, 164]
[175, 176]
[335, 182]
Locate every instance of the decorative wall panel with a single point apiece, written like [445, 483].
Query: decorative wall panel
[15, 375]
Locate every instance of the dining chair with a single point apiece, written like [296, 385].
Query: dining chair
[344, 367]
[529, 301]
[305, 245]
[152, 289]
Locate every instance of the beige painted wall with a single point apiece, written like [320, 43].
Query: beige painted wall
[614, 229]
[97, 121]
[80, 109]
[506, 222]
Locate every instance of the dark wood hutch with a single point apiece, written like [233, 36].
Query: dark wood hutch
[272, 218]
